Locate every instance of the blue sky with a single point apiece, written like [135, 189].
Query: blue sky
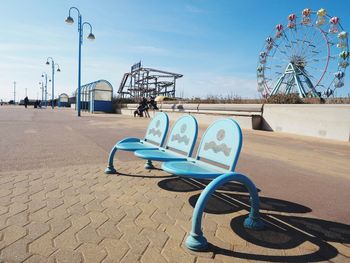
[214, 44]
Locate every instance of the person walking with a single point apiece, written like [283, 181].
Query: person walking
[26, 101]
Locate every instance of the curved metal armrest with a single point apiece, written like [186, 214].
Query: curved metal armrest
[129, 139]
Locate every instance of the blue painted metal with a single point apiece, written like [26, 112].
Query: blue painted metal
[99, 105]
[52, 81]
[154, 138]
[45, 96]
[193, 169]
[220, 146]
[80, 42]
[196, 239]
[221, 143]
[182, 138]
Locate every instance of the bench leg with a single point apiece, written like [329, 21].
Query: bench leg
[196, 240]
[149, 165]
[110, 168]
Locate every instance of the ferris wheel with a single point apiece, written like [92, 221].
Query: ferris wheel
[308, 56]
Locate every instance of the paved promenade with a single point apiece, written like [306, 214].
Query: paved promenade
[57, 205]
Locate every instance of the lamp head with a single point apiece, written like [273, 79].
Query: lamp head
[42, 75]
[47, 63]
[58, 70]
[91, 37]
[69, 20]
[49, 80]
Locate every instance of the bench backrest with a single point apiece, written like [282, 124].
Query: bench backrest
[221, 143]
[183, 136]
[157, 129]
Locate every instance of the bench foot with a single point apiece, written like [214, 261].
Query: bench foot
[196, 242]
[149, 165]
[254, 223]
[110, 170]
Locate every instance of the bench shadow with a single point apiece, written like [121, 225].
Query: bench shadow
[181, 184]
[280, 236]
[144, 176]
[228, 203]
[178, 184]
[325, 230]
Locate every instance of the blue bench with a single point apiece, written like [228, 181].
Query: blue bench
[216, 159]
[154, 138]
[180, 144]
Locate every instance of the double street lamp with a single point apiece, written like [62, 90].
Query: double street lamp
[45, 96]
[69, 20]
[53, 64]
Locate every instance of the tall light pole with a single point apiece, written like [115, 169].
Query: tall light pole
[42, 91]
[69, 20]
[14, 92]
[45, 75]
[53, 64]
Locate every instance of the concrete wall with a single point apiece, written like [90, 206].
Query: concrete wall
[330, 121]
[248, 116]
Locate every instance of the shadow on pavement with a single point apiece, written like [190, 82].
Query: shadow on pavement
[283, 232]
[279, 235]
[143, 176]
[180, 184]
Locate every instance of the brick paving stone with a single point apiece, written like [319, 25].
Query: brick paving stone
[58, 225]
[16, 252]
[162, 217]
[208, 260]
[109, 230]
[3, 210]
[67, 256]
[79, 222]
[94, 205]
[88, 235]
[42, 246]
[92, 253]
[97, 218]
[20, 219]
[53, 203]
[36, 259]
[157, 237]
[41, 215]
[344, 250]
[173, 252]
[153, 255]
[175, 233]
[11, 234]
[116, 249]
[36, 230]
[67, 240]
[16, 208]
[126, 226]
[77, 209]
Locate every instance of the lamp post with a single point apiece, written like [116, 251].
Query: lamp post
[53, 64]
[45, 92]
[14, 92]
[69, 20]
[42, 92]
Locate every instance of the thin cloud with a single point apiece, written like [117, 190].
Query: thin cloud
[148, 49]
[194, 9]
